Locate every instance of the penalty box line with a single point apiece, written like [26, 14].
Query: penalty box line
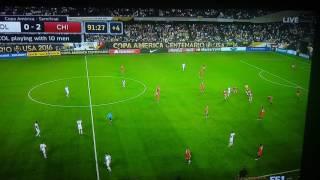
[92, 124]
[273, 74]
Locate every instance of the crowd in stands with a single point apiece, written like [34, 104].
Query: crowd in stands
[136, 12]
[233, 33]
[204, 32]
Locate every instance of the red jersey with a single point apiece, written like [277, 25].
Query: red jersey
[260, 151]
[122, 69]
[206, 110]
[188, 154]
[201, 72]
[202, 86]
[158, 91]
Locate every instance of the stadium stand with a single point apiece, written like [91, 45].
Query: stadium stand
[136, 12]
[227, 34]
[224, 33]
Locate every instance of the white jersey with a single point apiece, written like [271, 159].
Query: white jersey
[79, 122]
[123, 83]
[66, 89]
[250, 97]
[43, 147]
[232, 137]
[183, 66]
[36, 126]
[229, 90]
[107, 158]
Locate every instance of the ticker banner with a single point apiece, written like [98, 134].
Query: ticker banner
[11, 48]
[258, 49]
[48, 53]
[91, 46]
[161, 50]
[12, 55]
[208, 49]
[233, 49]
[159, 45]
[54, 53]
[31, 54]
[84, 52]
[124, 51]
[33, 18]
[175, 50]
[304, 55]
[39, 38]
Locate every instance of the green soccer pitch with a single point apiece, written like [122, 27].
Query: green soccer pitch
[147, 140]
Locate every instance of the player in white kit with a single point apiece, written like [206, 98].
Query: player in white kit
[107, 161]
[250, 96]
[37, 128]
[66, 89]
[229, 91]
[43, 150]
[231, 139]
[124, 83]
[183, 66]
[79, 123]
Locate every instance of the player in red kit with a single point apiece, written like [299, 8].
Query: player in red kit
[203, 67]
[122, 69]
[206, 111]
[225, 94]
[246, 87]
[260, 152]
[188, 156]
[157, 93]
[202, 87]
[262, 113]
[202, 71]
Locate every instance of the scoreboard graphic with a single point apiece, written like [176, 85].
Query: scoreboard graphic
[52, 29]
[44, 27]
[112, 28]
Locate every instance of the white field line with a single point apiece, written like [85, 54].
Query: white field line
[85, 106]
[280, 84]
[295, 170]
[92, 125]
[273, 75]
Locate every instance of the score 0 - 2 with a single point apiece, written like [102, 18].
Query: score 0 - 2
[31, 26]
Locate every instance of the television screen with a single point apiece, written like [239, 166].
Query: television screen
[153, 93]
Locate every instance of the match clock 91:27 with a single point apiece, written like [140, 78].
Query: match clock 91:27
[96, 27]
